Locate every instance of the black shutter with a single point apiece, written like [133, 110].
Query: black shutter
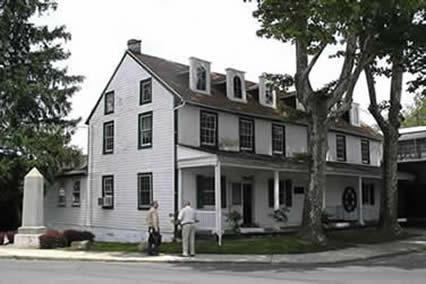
[271, 193]
[288, 193]
[223, 192]
[200, 192]
[372, 195]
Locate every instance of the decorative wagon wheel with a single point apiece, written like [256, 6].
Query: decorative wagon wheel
[349, 199]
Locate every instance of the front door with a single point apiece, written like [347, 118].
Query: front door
[247, 204]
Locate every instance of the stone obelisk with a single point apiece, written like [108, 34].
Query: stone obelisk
[33, 211]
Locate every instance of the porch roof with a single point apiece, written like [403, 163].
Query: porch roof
[190, 156]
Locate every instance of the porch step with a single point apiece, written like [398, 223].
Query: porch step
[251, 230]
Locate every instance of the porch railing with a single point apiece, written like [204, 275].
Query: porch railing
[339, 213]
[207, 220]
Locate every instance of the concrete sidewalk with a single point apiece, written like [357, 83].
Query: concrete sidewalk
[361, 252]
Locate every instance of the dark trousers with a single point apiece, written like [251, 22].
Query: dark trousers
[153, 242]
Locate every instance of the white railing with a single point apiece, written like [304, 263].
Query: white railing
[207, 220]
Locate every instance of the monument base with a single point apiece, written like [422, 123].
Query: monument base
[28, 237]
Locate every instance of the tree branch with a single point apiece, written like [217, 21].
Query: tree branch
[374, 107]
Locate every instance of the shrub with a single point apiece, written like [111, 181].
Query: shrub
[11, 236]
[77, 236]
[234, 219]
[280, 215]
[52, 239]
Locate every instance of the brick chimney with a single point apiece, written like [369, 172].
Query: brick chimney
[134, 45]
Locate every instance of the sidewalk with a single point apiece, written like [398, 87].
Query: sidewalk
[362, 252]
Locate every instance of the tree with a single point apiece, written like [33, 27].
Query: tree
[401, 47]
[314, 25]
[415, 115]
[35, 93]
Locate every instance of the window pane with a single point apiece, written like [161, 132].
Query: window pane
[108, 137]
[365, 151]
[201, 78]
[246, 135]
[278, 139]
[208, 129]
[146, 91]
[145, 190]
[109, 102]
[238, 93]
[341, 147]
[145, 131]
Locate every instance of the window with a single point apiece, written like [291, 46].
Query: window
[208, 129]
[108, 192]
[61, 196]
[109, 103]
[76, 190]
[238, 91]
[368, 194]
[201, 78]
[236, 194]
[145, 130]
[341, 147]
[246, 135]
[365, 151]
[144, 190]
[108, 137]
[145, 91]
[206, 192]
[285, 193]
[269, 95]
[278, 139]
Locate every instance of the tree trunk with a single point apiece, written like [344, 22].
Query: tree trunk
[318, 144]
[389, 200]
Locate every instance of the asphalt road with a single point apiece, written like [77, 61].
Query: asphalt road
[400, 269]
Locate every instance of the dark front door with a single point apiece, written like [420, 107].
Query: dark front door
[247, 204]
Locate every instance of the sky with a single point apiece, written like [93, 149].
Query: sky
[220, 31]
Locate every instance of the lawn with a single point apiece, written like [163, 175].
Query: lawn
[285, 244]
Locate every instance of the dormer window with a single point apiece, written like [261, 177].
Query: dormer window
[235, 85]
[267, 95]
[201, 78]
[238, 92]
[199, 75]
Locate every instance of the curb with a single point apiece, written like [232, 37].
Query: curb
[270, 259]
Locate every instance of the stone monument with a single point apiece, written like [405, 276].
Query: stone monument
[33, 211]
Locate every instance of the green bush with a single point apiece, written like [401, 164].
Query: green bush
[51, 240]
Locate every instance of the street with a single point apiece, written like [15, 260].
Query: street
[398, 269]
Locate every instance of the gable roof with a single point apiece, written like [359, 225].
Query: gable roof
[175, 77]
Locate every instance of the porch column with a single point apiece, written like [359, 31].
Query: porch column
[218, 205]
[360, 206]
[276, 190]
[180, 190]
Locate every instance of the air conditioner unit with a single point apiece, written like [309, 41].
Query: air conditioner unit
[107, 201]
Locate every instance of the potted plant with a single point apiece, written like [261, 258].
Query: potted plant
[234, 219]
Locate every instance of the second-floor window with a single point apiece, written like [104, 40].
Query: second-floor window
[208, 129]
[145, 130]
[108, 145]
[246, 135]
[145, 91]
[365, 151]
[341, 147]
[144, 190]
[109, 103]
[278, 139]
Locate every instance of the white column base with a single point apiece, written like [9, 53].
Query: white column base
[27, 241]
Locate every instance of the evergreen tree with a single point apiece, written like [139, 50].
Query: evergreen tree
[35, 94]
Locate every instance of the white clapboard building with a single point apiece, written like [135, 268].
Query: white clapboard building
[172, 132]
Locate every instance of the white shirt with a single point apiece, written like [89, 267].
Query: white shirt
[187, 215]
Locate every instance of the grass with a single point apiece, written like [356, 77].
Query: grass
[287, 244]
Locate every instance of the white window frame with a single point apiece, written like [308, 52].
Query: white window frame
[145, 131]
[108, 137]
[206, 131]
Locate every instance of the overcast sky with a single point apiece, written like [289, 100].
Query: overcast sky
[220, 31]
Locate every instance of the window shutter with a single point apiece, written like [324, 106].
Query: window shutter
[223, 192]
[288, 193]
[372, 195]
[199, 192]
[271, 193]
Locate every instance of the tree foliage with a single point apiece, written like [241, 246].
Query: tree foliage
[35, 94]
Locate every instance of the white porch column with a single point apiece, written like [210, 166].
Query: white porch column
[180, 190]
[218, 199]
[276, 190]
[360, 206]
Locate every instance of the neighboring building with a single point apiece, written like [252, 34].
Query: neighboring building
[412, 160]
[171, 132]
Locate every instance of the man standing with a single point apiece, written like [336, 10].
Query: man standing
[187, 218]
[153, 229]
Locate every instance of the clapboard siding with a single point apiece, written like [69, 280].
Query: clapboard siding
[127, 160]
[66, 217]
[296, 136]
